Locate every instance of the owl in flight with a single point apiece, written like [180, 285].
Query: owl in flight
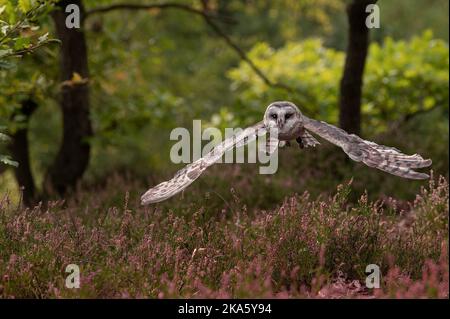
[291, 124]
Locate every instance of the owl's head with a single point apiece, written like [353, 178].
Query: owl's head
[283, 115]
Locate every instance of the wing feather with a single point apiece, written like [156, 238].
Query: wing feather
[184, 177]
[385, 158]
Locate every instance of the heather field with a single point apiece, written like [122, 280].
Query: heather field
[303, 247]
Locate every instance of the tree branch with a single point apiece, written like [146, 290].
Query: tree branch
[243, 55]
[130, 6]
[410, 116]
[208, 18]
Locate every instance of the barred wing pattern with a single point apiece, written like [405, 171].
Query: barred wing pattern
[307, 140]
[184, 177]
[387, 159]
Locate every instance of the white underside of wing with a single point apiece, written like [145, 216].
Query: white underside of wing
[191, 172]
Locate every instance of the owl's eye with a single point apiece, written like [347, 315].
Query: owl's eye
[274, 116]
[288, 115]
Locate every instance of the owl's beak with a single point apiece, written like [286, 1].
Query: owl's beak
[280, 122]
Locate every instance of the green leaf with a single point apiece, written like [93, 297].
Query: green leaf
[43, 38]
[7, 161]
[5, 52]
[6, 65]
[25, 5]
[22, 43]
[5, 29]
[4, 137]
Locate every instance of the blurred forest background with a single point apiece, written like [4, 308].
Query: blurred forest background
[88, 111]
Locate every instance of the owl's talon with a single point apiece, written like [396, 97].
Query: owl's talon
[284, 144]
[300, 142]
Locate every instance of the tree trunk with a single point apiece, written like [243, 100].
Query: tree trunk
[352, 79]
[73, 156]
[20, 152]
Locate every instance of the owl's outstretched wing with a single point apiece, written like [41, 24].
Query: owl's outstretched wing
[388, 159]
[184, 177]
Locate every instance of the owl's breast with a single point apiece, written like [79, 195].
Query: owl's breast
[290, 132]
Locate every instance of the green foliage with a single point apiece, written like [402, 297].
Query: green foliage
[404, 77]
[7, 161]
[167, 76]
[18, 23]
[3, 158]
[308, 67]
[20, 35]
[401, 78]
[154, 70]
[406, 18]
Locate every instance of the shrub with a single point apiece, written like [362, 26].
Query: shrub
[400, 78]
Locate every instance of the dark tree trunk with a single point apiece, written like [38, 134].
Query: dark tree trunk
[352, 79]
[20, 152]
[73, 156]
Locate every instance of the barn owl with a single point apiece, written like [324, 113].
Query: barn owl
[290, 125]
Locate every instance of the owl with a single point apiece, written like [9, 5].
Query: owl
[291, 125]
